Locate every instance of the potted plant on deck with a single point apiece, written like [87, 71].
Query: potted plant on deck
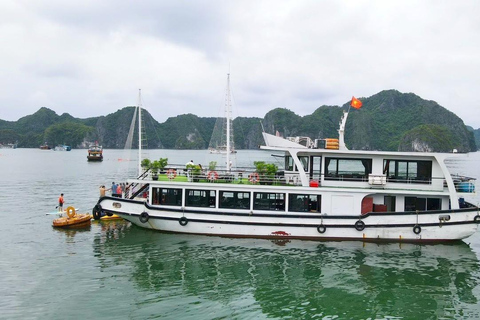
[162, 163]
[196, 173]
[154, 168]
[266, 171]
[145, 164]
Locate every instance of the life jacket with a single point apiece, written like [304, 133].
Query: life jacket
[60, 200]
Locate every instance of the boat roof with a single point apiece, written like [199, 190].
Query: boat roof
[280, 144]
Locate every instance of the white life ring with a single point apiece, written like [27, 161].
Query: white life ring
[212, 175]
[253, 177]
[171, 174]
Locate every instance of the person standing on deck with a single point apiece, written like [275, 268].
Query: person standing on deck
[114, 189]
[60, 203]
[102, 191]
[119, 190]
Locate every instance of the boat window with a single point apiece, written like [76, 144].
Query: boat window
[315, 167]
[269, 201]
[347, 169]
[390, 203]
[422, 204]
[408, 171]
[234, 200]
[304, 202]
[304, 162]
[167, 196]
[290, 165]
[200, 198]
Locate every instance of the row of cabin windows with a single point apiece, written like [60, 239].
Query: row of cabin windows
[270, 201]
[237, 200]
[351, 169]
[422, 204]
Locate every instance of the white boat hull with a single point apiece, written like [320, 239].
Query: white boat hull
[375, 227]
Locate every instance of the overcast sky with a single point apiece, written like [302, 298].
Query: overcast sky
[89, 58]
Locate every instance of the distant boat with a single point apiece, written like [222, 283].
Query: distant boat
[95, 153]
[62, 148]
[8, 146]
[45, 147]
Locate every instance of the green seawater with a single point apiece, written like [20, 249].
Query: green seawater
[114, 270]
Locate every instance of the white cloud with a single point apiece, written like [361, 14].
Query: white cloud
[89, 58]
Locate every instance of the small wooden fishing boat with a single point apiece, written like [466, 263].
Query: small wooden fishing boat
[73, 219]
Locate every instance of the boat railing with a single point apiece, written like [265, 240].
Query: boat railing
[134, 189]
[463, 184]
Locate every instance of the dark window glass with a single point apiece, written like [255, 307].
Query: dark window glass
[347, 169]
[304, 202]
[234, 200]
[422, 204]
[200, 198]
[167, 196]
[269, 201]
[406, 171]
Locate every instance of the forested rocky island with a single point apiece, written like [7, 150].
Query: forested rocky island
[389, 120]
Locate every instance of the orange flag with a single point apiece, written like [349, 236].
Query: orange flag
[357, 104]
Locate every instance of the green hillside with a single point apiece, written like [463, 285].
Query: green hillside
[389, 120]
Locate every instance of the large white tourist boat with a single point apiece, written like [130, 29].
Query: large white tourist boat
[325, 192]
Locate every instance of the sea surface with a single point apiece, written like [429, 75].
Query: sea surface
[114, 270]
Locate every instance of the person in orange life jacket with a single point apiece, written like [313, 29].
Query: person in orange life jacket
[119, 191]
[60, 203]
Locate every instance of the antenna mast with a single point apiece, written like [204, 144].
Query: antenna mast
[227, 110]
[139, 132]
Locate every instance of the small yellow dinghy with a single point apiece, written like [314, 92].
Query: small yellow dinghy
[73, 219]
[108, 218]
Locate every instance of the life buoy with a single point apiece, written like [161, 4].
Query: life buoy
[212, 175]
[253, 177]
[321, 228]
[183, 221]
[97, 212]
[359, 225]
[71, 212]
[171, 174]
[417, 229]
[476, 219]
[144, 217]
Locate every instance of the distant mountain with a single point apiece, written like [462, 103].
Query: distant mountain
[389, 120]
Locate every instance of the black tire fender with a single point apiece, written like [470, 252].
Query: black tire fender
[183, 221]
[417, 229]
[144, 217]
[359, 225]
[321, 228]
[97, 212]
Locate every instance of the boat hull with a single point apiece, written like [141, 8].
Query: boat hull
[407, 226]
[79, 220]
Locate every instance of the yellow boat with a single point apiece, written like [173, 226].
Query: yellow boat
[73, 219]
[113, 217]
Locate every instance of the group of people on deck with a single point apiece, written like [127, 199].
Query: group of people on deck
[118, 190]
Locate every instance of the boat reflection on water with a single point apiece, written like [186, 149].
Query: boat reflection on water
[298, 279]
